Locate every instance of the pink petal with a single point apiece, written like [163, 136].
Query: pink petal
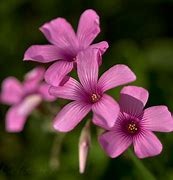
[102, 46]
[158, 118]
[60, 33]
[146, 144]
[133, 100]
[14, 121]
[116, 76]
[57, 71]
[114, 143]
[44, 92]
[35, 74]
[17, 115]
[43, 53]
[87, 68]
[70, 116]
[99, 121]
[70, 90]
[33, 78]
[107, 109]
[88, 28]
[12, 91]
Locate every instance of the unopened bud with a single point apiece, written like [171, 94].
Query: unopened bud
[84, 144]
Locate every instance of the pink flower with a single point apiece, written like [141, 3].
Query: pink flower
[65, 45]
[23, 98]
[90, 93]
[134, 125]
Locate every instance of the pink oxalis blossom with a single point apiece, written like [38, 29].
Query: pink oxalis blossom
[23, 98]
[135, 124]
[89, 94]
[65, 45]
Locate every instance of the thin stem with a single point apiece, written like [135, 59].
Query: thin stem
[145, 173]
[56, 149]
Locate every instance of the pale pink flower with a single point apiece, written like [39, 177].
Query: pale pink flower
[23, 98]
[90, 93]
[65, 45]
[135, 124]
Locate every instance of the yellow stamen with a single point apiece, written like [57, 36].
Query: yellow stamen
[132, 128]
[95, 97]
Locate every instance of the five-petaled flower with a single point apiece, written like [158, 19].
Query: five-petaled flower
[134, 125]
[65, 45]
[23, 98]
[90, 93]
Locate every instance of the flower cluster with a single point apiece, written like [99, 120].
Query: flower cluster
[23, 98]
[125, 122]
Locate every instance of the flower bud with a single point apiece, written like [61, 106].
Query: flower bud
[84, 144]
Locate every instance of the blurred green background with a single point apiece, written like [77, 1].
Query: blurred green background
[140, 34]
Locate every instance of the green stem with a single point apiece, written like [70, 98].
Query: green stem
[145, 173]
[55, 152]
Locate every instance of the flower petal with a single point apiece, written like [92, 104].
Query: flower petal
[88, 28]
[99, 121]
[115, 142]
[87, 68]
[158, 118]
[12, 91]
[60, 33]
[102, 46]
[43, 89]
[133, 100]
[116, 76]
[17, 115]
[146, 144]
[14, 121]
[107, 109]
[70, 90]
[57, 71]
[35, 74]
[70, 116]
[33, 78]
[44, 53]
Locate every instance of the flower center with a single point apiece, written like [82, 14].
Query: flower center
[132, 127]
[95, 97]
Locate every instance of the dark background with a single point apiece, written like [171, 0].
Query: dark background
[140, 34]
